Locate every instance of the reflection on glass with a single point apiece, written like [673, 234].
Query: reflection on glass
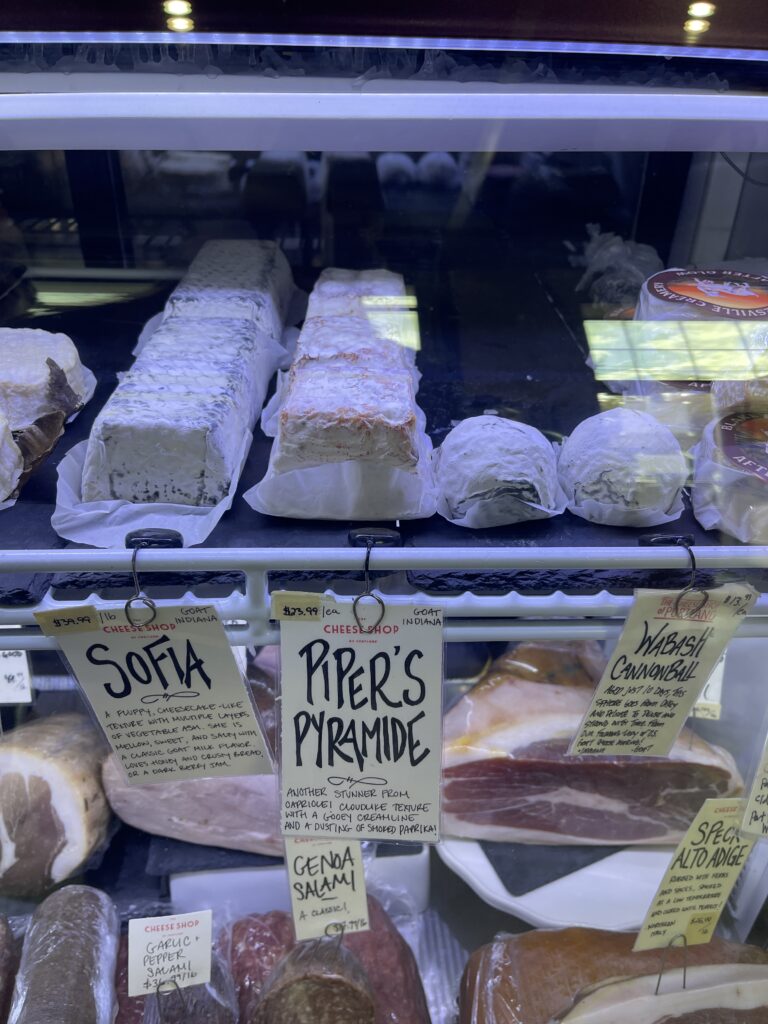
[701, 9]
[177, 7]
[181, 24]
[696, 26]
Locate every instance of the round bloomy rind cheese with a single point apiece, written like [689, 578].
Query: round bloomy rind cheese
[25, 372]
[679, 294]
[623, 468]
[493, 471]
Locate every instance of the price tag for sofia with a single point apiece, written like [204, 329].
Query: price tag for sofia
[327, 887]
[165, 953]
[361, 719]
[699, 880]
[670, 644]
[169, 694]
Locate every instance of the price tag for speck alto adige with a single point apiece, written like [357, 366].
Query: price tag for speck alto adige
[699, 880]
[327, 883]
[15, 678]
[666, 653]
[361, 717]
[166, 952]
[169, 694]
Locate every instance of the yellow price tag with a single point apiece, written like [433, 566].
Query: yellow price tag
[80, 619]
[296, 605]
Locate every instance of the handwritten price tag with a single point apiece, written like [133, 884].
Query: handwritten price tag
[362, 724]
[168, 694]
[327, 887]
[296, 605]
[700, 878]
[165, 952]
[68, 620]
[665, 655]
[15, 678]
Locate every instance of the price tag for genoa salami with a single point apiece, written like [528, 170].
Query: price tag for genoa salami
[165, 953]
[699, 880]
[15, 678]
[169, 694]
[361, 723]
[666, 653]
[327, 882]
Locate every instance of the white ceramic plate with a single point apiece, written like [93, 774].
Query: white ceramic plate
[612, 893]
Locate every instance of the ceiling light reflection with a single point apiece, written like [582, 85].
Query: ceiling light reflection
[701, 10]
[181, 24]
[696, 25]
[182, 7]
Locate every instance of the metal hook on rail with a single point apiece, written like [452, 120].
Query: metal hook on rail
[138, 596]
[367, 592]
[176, 990]
[691, 587]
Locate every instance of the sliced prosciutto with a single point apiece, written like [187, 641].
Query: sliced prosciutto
[507, 776]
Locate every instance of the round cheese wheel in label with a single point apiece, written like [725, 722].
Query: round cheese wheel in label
[703, 295]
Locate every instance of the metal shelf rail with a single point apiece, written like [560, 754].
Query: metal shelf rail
[468, 617]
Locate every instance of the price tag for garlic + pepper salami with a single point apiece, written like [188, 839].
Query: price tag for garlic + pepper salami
[168, 694]
[670, 644]
[362, 723]
[327, 887]
[169, 952]
[698, 882]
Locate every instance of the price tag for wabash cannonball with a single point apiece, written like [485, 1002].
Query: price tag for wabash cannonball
[169, 694]
[362, 723]
[670, 644]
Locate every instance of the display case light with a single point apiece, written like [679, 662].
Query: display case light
[178, 8]
[695, 26]
[181, 24]
[701, 9]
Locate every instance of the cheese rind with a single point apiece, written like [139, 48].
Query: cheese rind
[243, 279]
[11, 461]
[150, 444]
[377, 343]
[623, 468]
[336, 414]
[25, 374]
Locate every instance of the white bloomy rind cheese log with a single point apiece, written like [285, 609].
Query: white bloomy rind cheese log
[244, 279]
[11, 460]
[25, 373]
[174, 427]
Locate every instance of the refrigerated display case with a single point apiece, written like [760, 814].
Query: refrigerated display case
[469, 310]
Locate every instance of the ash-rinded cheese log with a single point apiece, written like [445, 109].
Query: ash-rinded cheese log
[243, 279]
[25, 374]
[53, 811]
[332, 413]
[67, 970]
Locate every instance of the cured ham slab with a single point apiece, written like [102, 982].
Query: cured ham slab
[507, 776]
[533, 977]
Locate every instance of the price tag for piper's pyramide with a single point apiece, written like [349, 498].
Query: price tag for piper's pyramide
[168, 694]
[362, 723]
[670, 644]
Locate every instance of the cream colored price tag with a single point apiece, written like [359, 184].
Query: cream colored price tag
[327, 887]
[15, 678]
[362, 724]
[710, 703]
[169, 952]
[296, 605]
[755, 821]
[700, 878]
[79, 619]
[666, 653]
[169, 695]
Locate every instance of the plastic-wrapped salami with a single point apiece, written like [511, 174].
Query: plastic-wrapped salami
[260, 942]
[492, 471]
[730, 479]
[623, 468]
[318, 982]
[214, 1003]
[536, 977]
[9, 961]
[67, 970]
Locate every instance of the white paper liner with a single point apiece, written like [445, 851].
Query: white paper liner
[8, 503]
[614, 515]
[725, 498]
[104, 524]
[349, 490]
[488, 512]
